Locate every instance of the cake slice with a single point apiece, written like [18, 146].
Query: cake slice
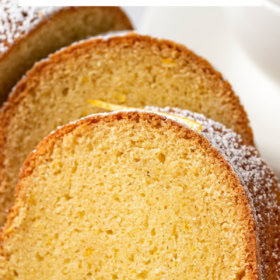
[133, 70]
[28, 34]
[139, 195]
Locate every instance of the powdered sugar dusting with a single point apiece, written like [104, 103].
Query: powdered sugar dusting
[16, 21]
[259, 181]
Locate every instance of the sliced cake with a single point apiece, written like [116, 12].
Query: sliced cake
[139, 195]
[28, 34]
[133, 70]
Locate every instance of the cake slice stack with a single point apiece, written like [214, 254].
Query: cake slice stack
[147, 192]
[131, 70]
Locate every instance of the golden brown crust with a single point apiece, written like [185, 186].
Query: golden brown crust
[46, 146]
[43, 21]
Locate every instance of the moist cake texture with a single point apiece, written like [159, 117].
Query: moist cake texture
[137, 195]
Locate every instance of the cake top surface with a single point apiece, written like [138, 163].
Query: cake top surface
[17, 21]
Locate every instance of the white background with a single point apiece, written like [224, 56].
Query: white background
[139, 2]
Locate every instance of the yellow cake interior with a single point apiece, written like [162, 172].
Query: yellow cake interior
[129, 199]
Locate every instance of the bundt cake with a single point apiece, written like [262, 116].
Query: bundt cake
[28, 34]
[139, 195]
[134, 70]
